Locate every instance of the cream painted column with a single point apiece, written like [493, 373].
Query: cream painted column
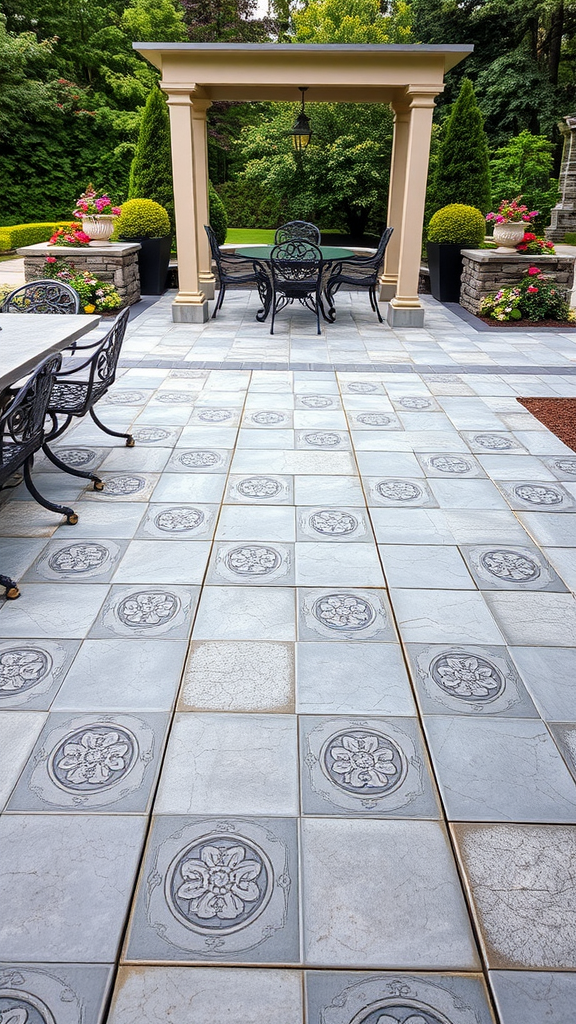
[405, 309]
[206, 278]
[389, 279]
[190, 305]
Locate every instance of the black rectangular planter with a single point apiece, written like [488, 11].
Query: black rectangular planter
[153, 261]
[445, 265]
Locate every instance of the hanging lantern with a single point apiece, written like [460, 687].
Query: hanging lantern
[301, 131]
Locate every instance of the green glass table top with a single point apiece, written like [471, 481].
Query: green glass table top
[262, 252]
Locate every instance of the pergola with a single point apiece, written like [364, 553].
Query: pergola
[408, 78]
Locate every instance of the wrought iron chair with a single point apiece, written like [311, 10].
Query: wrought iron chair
[235, 269]
[46, 296]
[297, 271]
[22, 435]
[74, 394]
[297, 229]
[359, 272]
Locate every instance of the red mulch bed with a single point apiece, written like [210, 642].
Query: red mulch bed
[559, 324]
[558, 414]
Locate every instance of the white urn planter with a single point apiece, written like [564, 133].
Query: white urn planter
[509, 234]
[99, 228]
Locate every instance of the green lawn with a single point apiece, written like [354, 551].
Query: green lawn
[249, 236]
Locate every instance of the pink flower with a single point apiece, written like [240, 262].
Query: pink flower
[534, 213]
[81, 236]
[500, 219]
[533, 271]
[50, 259]
[490, 216]
[532, 289]
[117, 210]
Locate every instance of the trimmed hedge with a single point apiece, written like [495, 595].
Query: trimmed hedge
[142, 218]
[28, 234]
[457, 224]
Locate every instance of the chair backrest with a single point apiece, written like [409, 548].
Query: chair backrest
[46, 296]
[214, 247]
[297, 229]
[296, 260]
[22, 421]
[384, 239]
[104, 361]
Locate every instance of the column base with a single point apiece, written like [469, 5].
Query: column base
[207, 283]
[404, 316]
[388, 287]
[190, 312]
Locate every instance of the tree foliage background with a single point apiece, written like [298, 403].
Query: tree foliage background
[73, 93]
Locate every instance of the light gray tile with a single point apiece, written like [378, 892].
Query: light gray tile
[407, 906]
[381, 419]
[563, 467]
[323, 439]
[123, 675]
[564, 560]
[534, 997]
[18, 733]
[213, 436]
[268, 523]
[450, 465]
[250, 563]
[258, 926]
[27, 519]
[537, 496]
[92, 763]
[17, 555]
[334, 490]
[485, 441]
[411, 526]
[506, 467]
[402, 492]
[66, 611]
[441, 616]
[230, 676]
[106, 520]
[500, 770]
[32, 670]
[350, 565]
[220, 995]
[332, 679]
[163, 436]
[178, 522]
[531, 618]
[260, 489]
[192, 487]
[230, 764]
[548, 528]
[135, 460]
[521, 881]
[68, 993]
[251, 437]
[146, 612]
[429, 567]
[163, 561]
[468, 680]
[344, 615]
[374, 767]
[129, 486]
[549, 674]
[468, 494]
[485, 527]
[55, 863]
[565, 737]
[303, 463]
[542, 442]
[342, 525]
[394, 463]
[320, 421]
[199, 460]
[245, 613]
[511, 568]
[77, 560]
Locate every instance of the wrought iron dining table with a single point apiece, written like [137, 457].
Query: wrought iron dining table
[331, 254]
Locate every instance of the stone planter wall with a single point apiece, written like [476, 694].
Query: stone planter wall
[116, 263]
[486, 271]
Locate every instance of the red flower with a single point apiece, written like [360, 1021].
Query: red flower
[50, 259]
[533, 271]
[532, 289]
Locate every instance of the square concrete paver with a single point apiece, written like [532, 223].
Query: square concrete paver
[225, 675]
[532, 997]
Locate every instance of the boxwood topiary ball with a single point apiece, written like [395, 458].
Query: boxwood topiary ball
[457, 224]
[142, 218]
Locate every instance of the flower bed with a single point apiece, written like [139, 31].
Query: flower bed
[537, 298]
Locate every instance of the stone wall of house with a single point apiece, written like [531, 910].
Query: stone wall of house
[486, 271]
[116, 263]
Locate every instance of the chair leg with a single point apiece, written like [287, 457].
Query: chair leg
[63, 510]
[375, 305]
[220, 300]
[98, 483]
[113, 433]
[56, 430]
[11, 588]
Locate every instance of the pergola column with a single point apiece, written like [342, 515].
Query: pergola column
[389, 279]
[190, 305]
[405, 309]
[201, 175]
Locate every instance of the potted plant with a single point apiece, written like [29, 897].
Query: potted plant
[510, 223]
[451, 229]
[146, 222]
[97, 214]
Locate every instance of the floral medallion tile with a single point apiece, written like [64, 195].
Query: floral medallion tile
[267, 419]
[217, 890]
[396, 998]
[345, 615]
[173, 397]
[511, 567]
[77, 561]
[374, 420]
[162, 436]
[31, 671]
[252, 563]
[178, 522]
[399, 493]
[562, 466]
[537, 496]
[53, 993]
[124, 397]
[332, 524]
[92, 763]
[375, 767]
[80, 457]
[205, 416]
[484, 442]
[316, 402]
[415, 403]
[147, 612]
[199, 460]
[450, 465]
[260, 489]
[521, 881]
[363, 387]
[468, 680]
[125, 487]
[326, 440]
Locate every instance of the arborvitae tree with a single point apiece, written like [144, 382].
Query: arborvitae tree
[151, 171]
[463, 168]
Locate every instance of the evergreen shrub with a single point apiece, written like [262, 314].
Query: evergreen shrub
[463, 167]
[151, 170]
[142, 218]
[250, 205]
[218, 215]
[457, 224]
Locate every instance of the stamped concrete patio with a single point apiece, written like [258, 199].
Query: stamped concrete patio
[288, 721]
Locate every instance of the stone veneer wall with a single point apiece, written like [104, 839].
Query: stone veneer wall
[486, 271]
[116, 263]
